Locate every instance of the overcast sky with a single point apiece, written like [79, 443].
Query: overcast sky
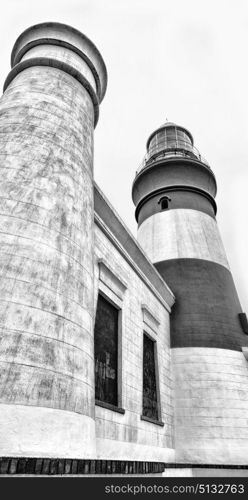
[184, 60]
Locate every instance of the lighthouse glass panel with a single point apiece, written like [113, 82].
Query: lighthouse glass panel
[106, 352]
[150, 400]
[183, 140]
[170, 140]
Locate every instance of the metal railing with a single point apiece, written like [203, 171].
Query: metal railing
[177, 150]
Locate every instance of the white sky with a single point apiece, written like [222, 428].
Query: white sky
[185, 60]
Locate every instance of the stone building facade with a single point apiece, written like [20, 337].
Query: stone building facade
[117, 356]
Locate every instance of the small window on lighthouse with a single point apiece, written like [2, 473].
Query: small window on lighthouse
[164, 202]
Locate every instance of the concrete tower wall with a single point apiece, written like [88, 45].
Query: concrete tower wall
[158, 237]
[47, 116]
[211, 405]
[179, 199]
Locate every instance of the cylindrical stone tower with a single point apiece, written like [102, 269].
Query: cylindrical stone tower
[47, 117]
[174, 193]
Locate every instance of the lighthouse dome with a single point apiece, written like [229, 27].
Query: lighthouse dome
[169, 136]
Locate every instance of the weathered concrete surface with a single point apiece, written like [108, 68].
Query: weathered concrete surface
[63, 55]
[44, 432]
[46, 257]
[211, 406]
[182, 233]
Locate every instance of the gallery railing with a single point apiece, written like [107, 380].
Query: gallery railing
[178, 149]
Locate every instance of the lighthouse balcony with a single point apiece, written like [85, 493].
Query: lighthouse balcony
[178, 149]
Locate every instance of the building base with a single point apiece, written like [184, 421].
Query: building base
[35, 466]
[65, 466]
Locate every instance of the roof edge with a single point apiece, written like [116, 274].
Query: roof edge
[113, 222]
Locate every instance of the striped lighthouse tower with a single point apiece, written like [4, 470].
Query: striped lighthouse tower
[174, 193]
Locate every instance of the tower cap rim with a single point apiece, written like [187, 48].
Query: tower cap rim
[98, 61]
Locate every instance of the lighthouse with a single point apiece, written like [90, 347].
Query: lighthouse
[174, 193]
[116, 356]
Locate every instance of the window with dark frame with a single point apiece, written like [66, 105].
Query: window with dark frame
[164, 202]
[106, 352]
[150, 396]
